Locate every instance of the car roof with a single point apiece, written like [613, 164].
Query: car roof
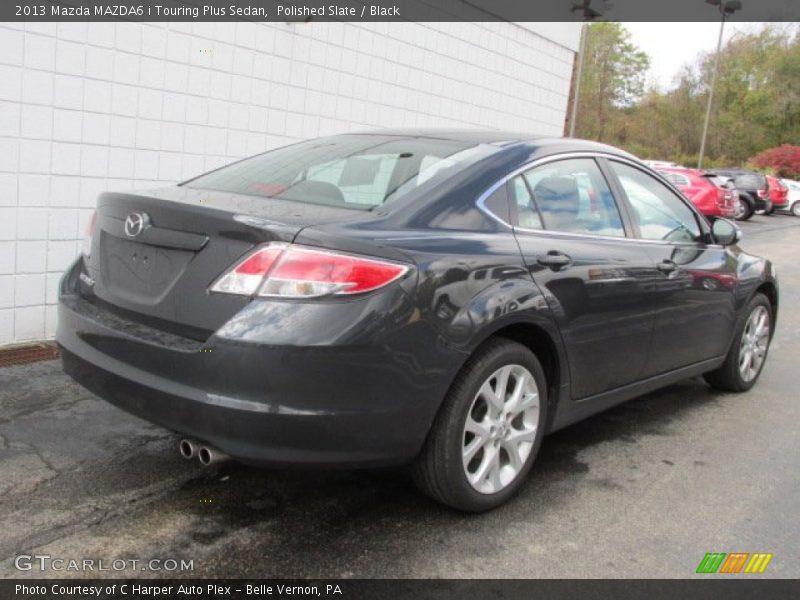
[735, 171]
[479, 136]
[687, 171]
[676, 169]
[501, 138]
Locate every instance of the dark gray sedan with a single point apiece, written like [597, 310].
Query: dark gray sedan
[437, 298]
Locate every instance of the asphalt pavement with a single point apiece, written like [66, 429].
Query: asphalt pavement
[643, 490]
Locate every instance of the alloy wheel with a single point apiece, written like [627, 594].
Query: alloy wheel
[740, 209]
[500, 429]
[754, 343]
[796, 209]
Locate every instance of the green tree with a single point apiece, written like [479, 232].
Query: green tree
[756, 104]
[756, 101]
[613, 78]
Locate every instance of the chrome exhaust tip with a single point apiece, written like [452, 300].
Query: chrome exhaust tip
[187, 448]
[211, 456]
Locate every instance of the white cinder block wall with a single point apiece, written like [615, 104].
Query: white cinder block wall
[89, 107]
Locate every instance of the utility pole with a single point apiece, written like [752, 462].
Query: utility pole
[578, 76]
[725, 9]
[589, 14]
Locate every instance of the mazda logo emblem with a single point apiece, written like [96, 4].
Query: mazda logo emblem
[135, 223]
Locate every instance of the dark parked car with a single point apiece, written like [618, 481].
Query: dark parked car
[442, 299]
[753, 191]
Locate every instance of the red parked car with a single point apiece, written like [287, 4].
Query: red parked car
[778, 194]
[708, 192]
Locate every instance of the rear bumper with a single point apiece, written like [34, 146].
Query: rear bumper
[365, 402]
[718, 211]
[762, 203]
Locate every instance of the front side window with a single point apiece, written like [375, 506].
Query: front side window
[349, 171]
[572, 195]
[659, 212]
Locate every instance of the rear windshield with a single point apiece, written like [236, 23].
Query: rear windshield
[744, 180]
[674, 178]
[749, 180]
[720, 182]
[351, 171]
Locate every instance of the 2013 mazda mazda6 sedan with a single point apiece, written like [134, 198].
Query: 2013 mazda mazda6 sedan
[437, 298]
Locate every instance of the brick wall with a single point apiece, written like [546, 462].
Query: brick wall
[89, 107]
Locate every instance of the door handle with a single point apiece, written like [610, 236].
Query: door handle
[555, 260]
[666, 266]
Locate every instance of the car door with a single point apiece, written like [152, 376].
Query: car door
[575, 242]
[696, 282]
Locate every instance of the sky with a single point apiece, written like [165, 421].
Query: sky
[671, 45]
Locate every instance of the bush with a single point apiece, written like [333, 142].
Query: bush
[784, 161]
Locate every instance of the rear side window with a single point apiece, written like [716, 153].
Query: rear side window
[572, 195]
[527, 213]
[497, 204]
[350, 171]
[659, 212]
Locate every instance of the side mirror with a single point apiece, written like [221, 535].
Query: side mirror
[725, 232]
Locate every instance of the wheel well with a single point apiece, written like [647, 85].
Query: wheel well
[770, 291]
[538, 341]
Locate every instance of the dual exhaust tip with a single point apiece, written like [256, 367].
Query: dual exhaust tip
[207, 455]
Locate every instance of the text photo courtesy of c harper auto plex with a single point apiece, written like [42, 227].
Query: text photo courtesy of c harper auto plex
[399, 299]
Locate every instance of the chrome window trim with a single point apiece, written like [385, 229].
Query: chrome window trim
[481, 201]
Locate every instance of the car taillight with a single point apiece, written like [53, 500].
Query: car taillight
[291, 271]
[246, 276]
[86, 248]
[762, 193]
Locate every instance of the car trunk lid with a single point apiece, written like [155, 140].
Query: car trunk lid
[155, 254]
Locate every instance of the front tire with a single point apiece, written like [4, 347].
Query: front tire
[748, 352]
[796, 209]
[487, 434]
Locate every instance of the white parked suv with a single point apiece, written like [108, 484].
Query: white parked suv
[794, 196]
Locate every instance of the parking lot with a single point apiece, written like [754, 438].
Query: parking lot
[643, 490]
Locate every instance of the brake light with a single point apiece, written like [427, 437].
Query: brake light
[247, 275]
[762, 193]
[86, 248]
[290, 271]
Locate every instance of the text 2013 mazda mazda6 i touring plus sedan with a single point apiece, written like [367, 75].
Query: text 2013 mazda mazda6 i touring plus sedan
[437, 298]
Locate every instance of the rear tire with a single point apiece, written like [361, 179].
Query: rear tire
[749, 341]
[796, 208]
[488, 431]
[745, 208]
